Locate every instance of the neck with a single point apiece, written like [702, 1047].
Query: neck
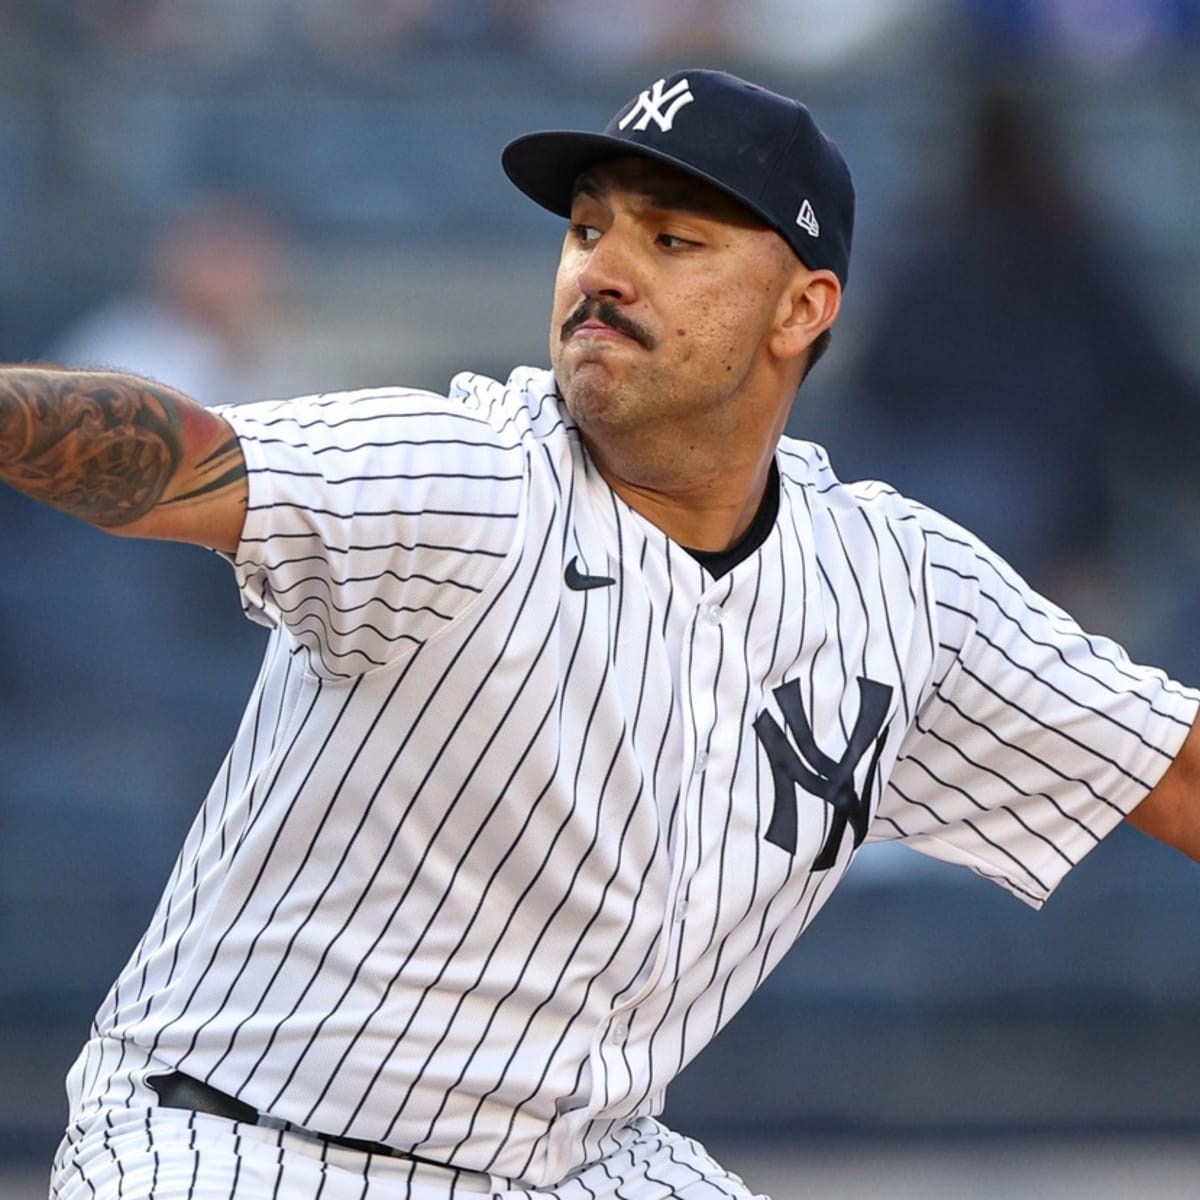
[700, 508]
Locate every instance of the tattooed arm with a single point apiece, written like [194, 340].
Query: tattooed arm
[126, 454]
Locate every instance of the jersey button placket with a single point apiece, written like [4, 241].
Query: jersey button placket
[712, 615]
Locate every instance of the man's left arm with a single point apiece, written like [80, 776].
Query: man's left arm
[1171, 812]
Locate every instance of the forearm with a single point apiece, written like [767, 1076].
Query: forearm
[123, 453]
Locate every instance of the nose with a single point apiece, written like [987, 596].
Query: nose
[609, 270]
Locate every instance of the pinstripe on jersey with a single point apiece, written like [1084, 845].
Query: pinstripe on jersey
[486, 864]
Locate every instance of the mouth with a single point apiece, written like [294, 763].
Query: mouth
[597, 330]
[602, 320]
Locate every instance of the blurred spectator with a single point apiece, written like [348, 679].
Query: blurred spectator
[358, 33]
[347, 27]
[1097, 35]
[151, 657]
[617, 33]
[1012, 381]
[805, 34]
[162, 620]
[215, 31]
[211, 282]
[810, 34]
[822, 35]
[16, 18]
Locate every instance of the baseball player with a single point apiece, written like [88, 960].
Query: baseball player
[584, 687]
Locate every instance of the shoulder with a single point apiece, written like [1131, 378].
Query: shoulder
[477, 415]
[810, 482]
[344, 410]
[809, 475]
[525, 406]
[867, 527]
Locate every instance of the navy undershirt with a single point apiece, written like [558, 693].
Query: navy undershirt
[719, 562]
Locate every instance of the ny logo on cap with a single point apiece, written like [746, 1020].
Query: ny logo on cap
[649, 106]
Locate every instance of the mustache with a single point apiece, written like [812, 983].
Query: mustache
[607, 312]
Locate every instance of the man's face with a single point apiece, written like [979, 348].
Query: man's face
[666, 292]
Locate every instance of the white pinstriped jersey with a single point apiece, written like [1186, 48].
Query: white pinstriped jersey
[525, 803]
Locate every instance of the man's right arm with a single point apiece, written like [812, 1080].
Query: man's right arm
[126, 454]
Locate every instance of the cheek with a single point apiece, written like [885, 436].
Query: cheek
[566, 284]
[716, 332]
[740, 318]
[559, 298]
[562, 305]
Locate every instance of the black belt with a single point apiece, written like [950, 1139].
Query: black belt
[178, 1090]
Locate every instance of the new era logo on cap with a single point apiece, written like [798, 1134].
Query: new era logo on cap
[806, 218]
[763, 149]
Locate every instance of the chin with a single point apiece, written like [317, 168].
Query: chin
[588, 389]
[600, 394]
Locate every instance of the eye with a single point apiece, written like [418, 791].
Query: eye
[672, 241]
[584, 234]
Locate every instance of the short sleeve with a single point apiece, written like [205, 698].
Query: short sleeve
[374, 519]
[1033, 739]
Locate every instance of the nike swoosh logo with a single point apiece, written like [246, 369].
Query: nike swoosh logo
[577, 581]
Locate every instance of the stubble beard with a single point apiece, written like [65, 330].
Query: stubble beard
[603, 397]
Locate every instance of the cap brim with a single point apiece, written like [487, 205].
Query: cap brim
[546, 165]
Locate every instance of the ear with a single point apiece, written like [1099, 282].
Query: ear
[809, 305]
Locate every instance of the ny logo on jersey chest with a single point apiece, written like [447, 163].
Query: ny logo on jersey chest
[819, 774]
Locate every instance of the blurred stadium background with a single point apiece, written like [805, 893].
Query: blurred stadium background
[274, 196]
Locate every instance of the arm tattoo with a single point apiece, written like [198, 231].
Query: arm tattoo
[103, 447]
[219, 469]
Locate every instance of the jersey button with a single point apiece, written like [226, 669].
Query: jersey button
[620, 1032]
[715, 614]
[701, 762]
[680, 911]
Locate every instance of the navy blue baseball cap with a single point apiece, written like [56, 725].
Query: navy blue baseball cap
[761, 148]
